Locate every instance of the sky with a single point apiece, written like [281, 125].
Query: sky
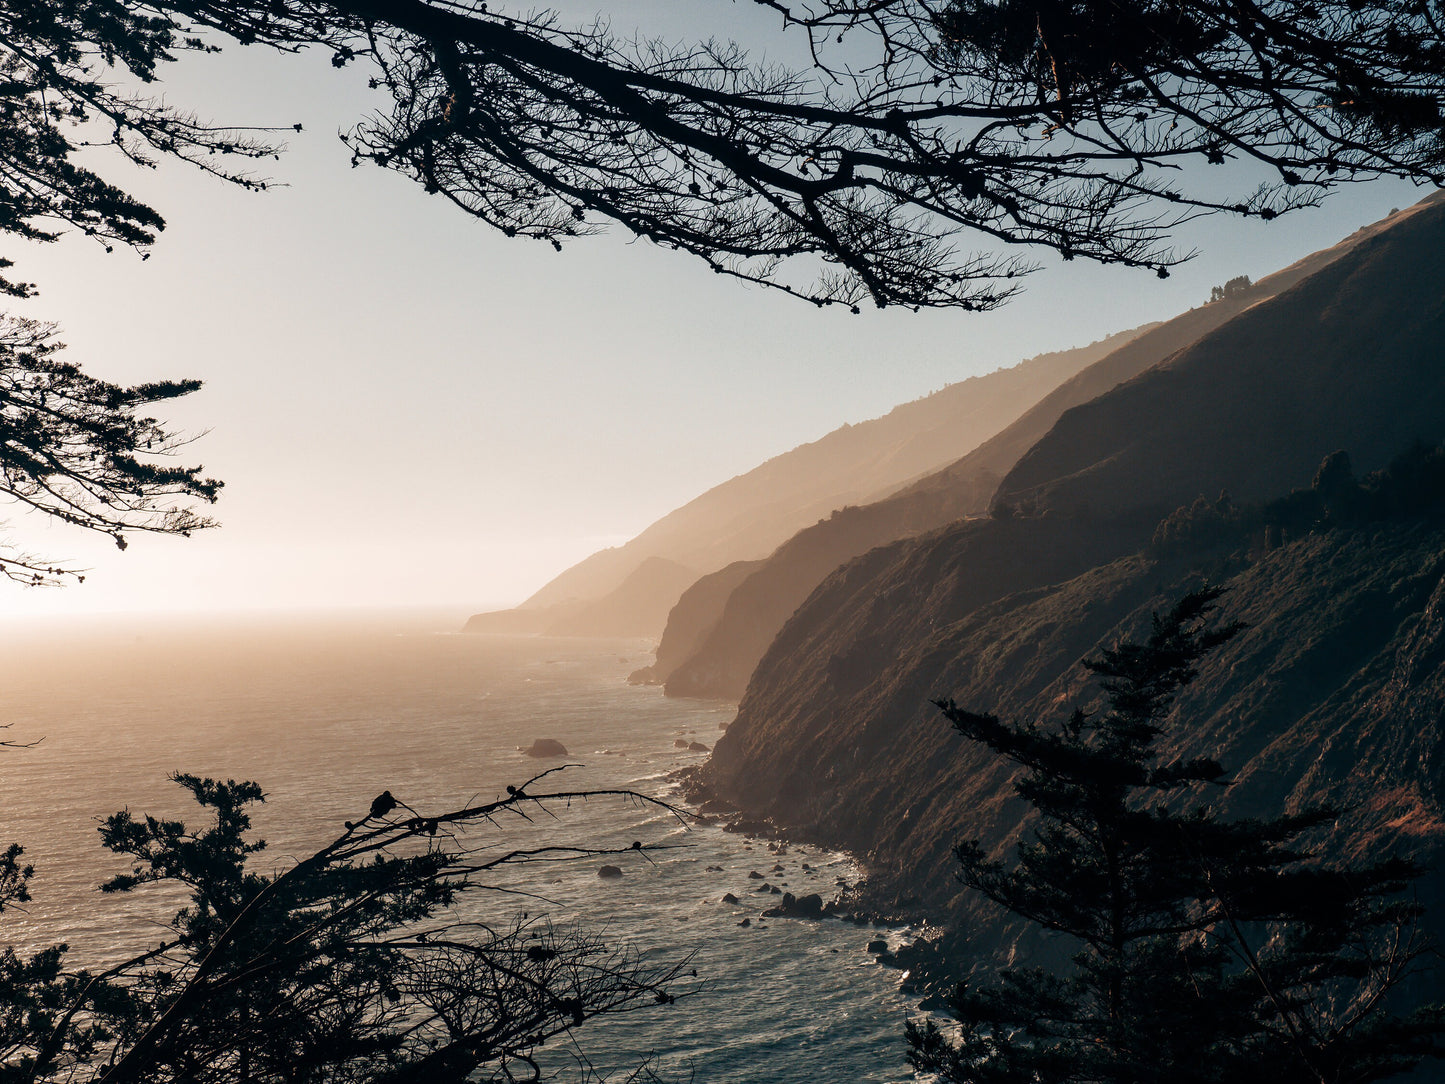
[411, 410]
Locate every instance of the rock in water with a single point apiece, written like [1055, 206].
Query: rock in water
[547, 747]
[810, 906]
[609, 872]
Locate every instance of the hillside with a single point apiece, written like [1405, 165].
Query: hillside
[747, 517]
[1350, 357]
[744, 623]
[691, 620]
[1335, 692]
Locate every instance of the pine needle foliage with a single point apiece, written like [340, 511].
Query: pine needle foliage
[1206, 949]
[84, 451]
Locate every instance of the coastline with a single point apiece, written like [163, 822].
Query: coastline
[930, 963]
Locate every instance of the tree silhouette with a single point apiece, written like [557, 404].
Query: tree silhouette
[75, 448]
[914, 131]
[1235, 287]
[1207, 950]
[349, 965]
[72, 446]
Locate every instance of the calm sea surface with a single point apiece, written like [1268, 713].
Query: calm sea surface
[327, 714]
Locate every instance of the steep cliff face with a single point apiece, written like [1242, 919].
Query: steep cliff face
[812, 716]
[1335, 692]
[692, 620]
[1001, 453]
[1348, 358]
[745, 623]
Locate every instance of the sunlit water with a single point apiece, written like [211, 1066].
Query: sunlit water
[327, 715]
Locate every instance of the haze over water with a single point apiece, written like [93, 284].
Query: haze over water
[325, 715]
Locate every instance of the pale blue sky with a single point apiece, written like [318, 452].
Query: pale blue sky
[409, 408]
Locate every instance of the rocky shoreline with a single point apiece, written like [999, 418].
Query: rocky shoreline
[928, 962]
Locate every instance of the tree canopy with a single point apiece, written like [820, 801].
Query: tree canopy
[72, 446]
[915, 152]
[913, 132]
[350, 964]
[1205, 949]
[75, 448]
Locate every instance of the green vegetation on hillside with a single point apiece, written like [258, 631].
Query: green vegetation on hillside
[1235, 287]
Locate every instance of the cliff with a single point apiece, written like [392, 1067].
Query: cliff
[691, 620]
[745, 622]
[1348, 357]
[1335, 692]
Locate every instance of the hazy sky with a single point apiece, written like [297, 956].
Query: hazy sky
[411, 409]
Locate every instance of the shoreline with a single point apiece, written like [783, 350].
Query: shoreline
[929, 963]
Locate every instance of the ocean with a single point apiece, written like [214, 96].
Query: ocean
[327, 713]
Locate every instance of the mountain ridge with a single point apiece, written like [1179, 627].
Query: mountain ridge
[748, 516]
[743, 624]
[1336, 692]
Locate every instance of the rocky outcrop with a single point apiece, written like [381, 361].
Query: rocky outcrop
[791, 906]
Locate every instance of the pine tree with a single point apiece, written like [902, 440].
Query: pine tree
[1208, 950]
[344, 967]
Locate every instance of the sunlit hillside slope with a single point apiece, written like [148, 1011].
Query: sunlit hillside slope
[747, 517]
